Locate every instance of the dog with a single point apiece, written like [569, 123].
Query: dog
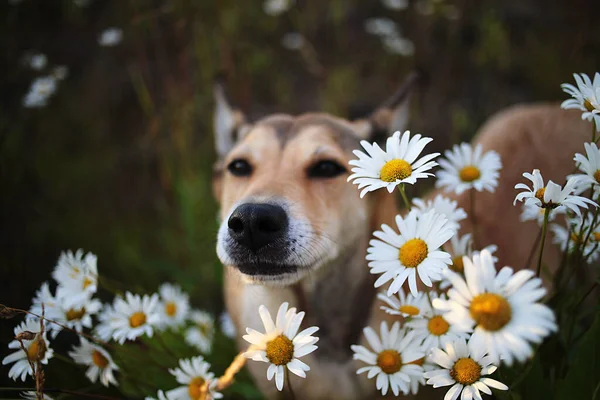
[293, 229]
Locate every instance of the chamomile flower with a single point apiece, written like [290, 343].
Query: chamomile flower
[580, 232]
[408, 306]
[37, 349]
[395, 5]
[174, 305]
[467, 168]
[31, 395]
[532, 212]
[193, 373]
[396, 165]
[415, 250]
[40, 91]
[281, 345]
[51, 304]
[586, 97]
[551, 195]
[590, 166]
[110, 37]
[129, 318]
[100, 363]
[38, 61]
[276, 7]
[501, 309]
[75, 317]
[443, 205]
[394, 358]
[201, 333]
[77, 277]
[465, 367]
[227, 325]
[433, 330]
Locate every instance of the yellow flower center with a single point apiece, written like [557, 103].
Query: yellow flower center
[137, 319]
[412, 253]
[438, 326]
[457, 264]
[466, 371]
[195, 388]
[99, 359]
[87, 282]
[395, 170]
[596, 236]
[73, 314]
[490, 311]
[280, 350]
[539, 194]
[588, 105]
[170, 309]
[408, 309]
[469, 173]
[418, 361]
[575, 237]
[389, 361]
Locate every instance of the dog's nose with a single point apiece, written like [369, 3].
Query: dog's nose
[255, 225]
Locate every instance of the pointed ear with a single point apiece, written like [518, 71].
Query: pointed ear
[392, 115]
[226, 122]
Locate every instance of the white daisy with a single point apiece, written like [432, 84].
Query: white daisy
[77, 277]
[395, 5]
[36, 349]
[51, 303]
[31, 395]
[552, 196]
[193, 373]
[129, 318]
[443, 205]
[396, 165]
[586, 97]
[467, 168]
[39, 92]
[201, 333]
[227, 325]
[110, 37]
[174, 305]
[281, 345]
[75, 317]
[381, 26]
[38, 61]
[465, 367]
[99, 361]
[433, 330]
[501, 309]
[160, 396]
[532, 212]
[394, 358]
[460, 247]
[408, 306]
[580, 232]
[590, 166]
[415, 250]
[276, 7]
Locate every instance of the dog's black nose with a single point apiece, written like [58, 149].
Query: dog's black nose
[255, 225]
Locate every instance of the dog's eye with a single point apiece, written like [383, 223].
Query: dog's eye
[240, 167]
[326, 169]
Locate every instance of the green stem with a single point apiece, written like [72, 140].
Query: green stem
[544, 227]
[594, 131]
[403, 193]
[288, 383]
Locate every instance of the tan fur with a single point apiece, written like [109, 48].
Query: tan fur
[527, 137]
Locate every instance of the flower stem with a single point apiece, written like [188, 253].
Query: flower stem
[544, 227]
[403, 193]
[594, 130]
[288, 383]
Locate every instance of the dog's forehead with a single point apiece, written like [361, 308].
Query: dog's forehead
[286, 128]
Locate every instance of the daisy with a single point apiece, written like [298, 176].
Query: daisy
[551, 196]
[77, 277]
[193, 373]
[38, 61]
[281, 345]
[460, 247]
[590, 166]
[586, 97]
[443, 205]
[414, 250]
[579, 232]
[129, 318]
[110, 37]
[51, 304]
[160, 396]
[174, 305]
[395, 5]
[37, 349]
[467, 168]
[393, 359]
[465, 367]
[227, 325]
[40, 91]
[276, 7]
[99, 361]
[75, 317]
[501, 309]
[201, 334]
[532, 212]
[433, 330]
[31, 395]
[408, 306]
[396, 165]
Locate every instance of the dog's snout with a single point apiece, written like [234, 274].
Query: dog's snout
[255, 225]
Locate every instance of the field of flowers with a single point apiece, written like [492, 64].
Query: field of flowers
[110, 284]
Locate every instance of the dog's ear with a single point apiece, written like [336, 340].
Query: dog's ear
[227, 122]
[391, 116]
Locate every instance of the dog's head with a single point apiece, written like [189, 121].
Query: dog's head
[286, 208]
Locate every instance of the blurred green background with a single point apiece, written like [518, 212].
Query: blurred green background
[119, 161]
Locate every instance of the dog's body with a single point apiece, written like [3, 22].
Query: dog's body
[294, 230]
